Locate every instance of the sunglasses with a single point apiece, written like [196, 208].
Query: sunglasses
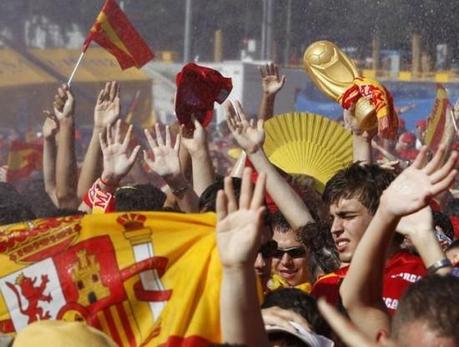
[295, 252]
[268, 248]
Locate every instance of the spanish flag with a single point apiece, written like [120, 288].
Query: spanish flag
[23, 159]
[144, 278]
[114, 32]
[440, 128]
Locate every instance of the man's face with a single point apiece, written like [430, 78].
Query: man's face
[290, 260]
[350, 219]
[263, 262]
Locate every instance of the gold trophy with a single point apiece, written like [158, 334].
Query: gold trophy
[334, 73]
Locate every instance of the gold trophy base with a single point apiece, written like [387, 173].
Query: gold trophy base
[365, 114]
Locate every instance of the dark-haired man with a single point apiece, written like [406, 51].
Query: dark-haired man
[353, 197]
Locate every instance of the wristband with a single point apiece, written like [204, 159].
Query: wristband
[440, 264]
[105, 183]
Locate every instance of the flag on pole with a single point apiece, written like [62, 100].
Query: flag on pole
[114, 32]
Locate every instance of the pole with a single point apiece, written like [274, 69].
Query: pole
[269, 30]
[75, 68]
[288, 26]
[187, 41]
[263, 33]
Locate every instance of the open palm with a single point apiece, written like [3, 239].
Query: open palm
[165, 160]
[248, 135]
[415, 186]
[238, 228]
[117, 160]
[107, 109]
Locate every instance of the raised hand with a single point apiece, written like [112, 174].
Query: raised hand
[117, 161]
[64, 103]
[50, 125]
[107, 109]
[249, 136]
[198, 140]
[239, 225]
[166, 161]
[271, 82]
[415, 186]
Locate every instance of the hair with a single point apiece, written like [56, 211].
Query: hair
[208, 198]
[13, 207]
[433, 300]
[286, 339]
[365, 183]
[141, 197]
[278, 221]
[42, 206]
[454, 244]
[452, 207]
[442, 220]
[299, 302]
[321, 247]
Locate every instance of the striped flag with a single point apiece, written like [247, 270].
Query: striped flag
[114, 32]
[440, 129]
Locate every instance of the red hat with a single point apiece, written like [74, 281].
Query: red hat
[408, 138]
[198, 88]
[422, 123]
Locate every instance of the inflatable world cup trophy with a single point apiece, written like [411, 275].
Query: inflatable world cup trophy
[337, 77]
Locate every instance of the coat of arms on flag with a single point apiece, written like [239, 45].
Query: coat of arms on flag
[142, 278]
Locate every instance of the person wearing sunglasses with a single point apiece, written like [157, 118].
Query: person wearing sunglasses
[290, 260]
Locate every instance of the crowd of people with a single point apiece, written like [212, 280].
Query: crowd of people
[370, 261]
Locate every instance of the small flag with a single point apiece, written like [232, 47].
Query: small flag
[23, 159]
[114, 32]
[440, 127]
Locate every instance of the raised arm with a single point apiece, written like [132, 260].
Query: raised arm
[66, 168]
[117, 160]
[203, 170]
[250, 137]
[271, 84]
[411, 191]
[361, 140]
[238, 240]
[166, 163]
[419, 227]
[106, 112]
[50, 129]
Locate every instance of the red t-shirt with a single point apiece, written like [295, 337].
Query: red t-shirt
[401, 270]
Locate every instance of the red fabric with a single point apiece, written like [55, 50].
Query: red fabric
[408, 154]
[408, 138]
[421, 124]
[455, 222]
[401, 270]
[138, 53]
[99, 200]
[198, 87]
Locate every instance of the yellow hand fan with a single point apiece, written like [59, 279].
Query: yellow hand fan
[308, 144]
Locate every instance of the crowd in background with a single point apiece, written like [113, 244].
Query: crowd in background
[369, 261]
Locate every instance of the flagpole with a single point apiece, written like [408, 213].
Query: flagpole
[75, 68]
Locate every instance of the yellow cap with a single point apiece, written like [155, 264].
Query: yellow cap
[61, 334]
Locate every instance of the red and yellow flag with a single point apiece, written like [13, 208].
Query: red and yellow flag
[114, 32]
[440, 128]
[144, 278]
[23, 159]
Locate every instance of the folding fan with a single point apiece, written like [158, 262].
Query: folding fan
[308, 144]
